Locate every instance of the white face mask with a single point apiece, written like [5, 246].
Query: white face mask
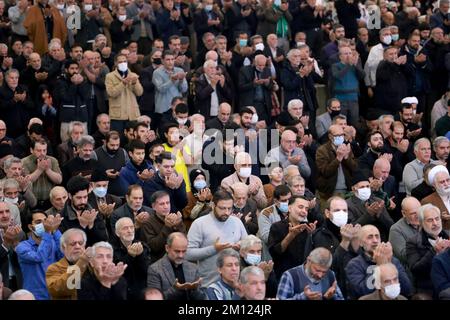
[392, 291]
[340, 218]
[259, 46]
[88, 7]
[254, 118]
[300, 43]
[253, 259]
[122, 18]
[60, 6]
[363, 194]
[387, 40]
[122, 67]
[11, 200]
[182, 121]
[245, 172]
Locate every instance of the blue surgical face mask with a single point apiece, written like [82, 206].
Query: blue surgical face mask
[395, 37]
[39, 230]
[199, 184]
[100, 192]
[337, 141]
[284, 207]
[243, 42]
[253, 259]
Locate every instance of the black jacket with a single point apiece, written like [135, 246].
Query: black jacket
[147, 100]
[136, 272]
[72, 100]
[247, 88]
[178, 197]
[420, 254]
[15, 114]
[203, 91]
[96, 234]
[294, 255]
[92, 289]
[391, 86]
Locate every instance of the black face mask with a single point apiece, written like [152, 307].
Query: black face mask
[334, 113]
[157, 61]
[111, 151]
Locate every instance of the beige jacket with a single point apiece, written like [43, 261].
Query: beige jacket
[122, 98]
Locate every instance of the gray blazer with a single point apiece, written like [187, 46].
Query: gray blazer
[161, 276]
[133, 13]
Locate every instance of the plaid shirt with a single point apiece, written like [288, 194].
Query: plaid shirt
[286, 287]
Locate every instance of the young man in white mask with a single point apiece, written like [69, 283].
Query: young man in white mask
[364, 208]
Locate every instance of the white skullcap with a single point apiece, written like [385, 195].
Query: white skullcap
[432, 173]
[410, 100]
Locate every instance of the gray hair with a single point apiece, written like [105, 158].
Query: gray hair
[53, 45]
[100, 116]
[382, 117]
[9, 162]
[16, 295]
[383, 30]
[321, 256]
[54, 189]
[63, 241]
[209, 63]
[10, 183]
[438, 141]
[291, 180]
[72, 124]
[224, 254]
[249, 241]
[195, 117]
[426, 207]
[250, 270]
[419, 141]
[339, 117]
[119, 222]
[84, 140]
[294, 102]
[7, 73]
[291, 52]
[102, 244]
[173, 236]
[377, 273]
[286, 170]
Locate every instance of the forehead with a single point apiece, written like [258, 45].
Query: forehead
[163, 199]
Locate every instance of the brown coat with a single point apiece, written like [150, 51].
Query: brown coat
[34, 23]
[57, 279]
[377, 296]
[327, 169]
[154, 233]
[436, 200]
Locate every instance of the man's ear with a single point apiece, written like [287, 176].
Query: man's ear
[30, 227]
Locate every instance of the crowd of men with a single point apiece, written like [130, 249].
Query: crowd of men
[177, 150]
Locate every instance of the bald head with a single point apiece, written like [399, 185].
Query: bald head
[410, 207]
[335, 130]
[260, 62]
[288, 141]
[211, 55]
[381, 169]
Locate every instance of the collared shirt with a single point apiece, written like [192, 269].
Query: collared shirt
[43, 185]
[34, 260]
